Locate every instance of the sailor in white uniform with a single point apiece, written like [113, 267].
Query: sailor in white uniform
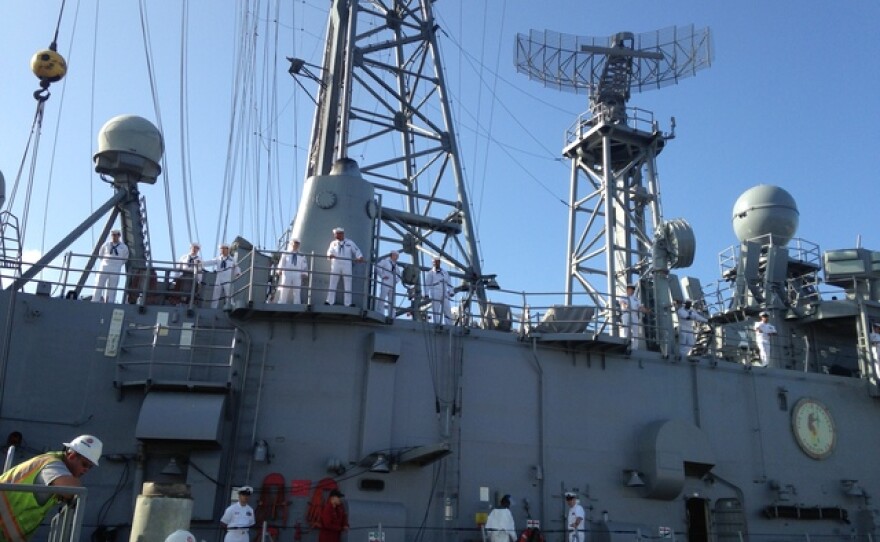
[688, 322]
[439, 287]
[292, 272]
[576, 524]
[763, 331]
[239, 517]
[192, 262]
[388, 275]
[631, 316]
[500, 525]
[189, 269]
[113, 254]
[341, 252]
[227, 270]
[874, 338]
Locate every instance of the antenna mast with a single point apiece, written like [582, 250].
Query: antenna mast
[614, 206]
[383, 102]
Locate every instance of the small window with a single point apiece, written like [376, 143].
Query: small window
[372, 484]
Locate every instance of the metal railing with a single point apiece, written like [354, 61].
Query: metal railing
[66, 525]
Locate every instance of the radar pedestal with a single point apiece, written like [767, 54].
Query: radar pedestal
[129, 151]
[614, 209]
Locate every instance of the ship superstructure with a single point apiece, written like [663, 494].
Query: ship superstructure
[423, 424]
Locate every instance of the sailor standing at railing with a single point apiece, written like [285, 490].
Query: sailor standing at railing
[113, 254]
[688, 322]
[439, 287]
[874, 338]
[763, 331]
[292, 271]
[192, 262]
[341, 252]
[239, 517]
[227, 270]
[631, 317]
[388, 273]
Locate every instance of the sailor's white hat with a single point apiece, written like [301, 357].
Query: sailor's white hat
[115, 232]
[339, 229]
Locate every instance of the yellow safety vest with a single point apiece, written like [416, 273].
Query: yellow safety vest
[20, 513]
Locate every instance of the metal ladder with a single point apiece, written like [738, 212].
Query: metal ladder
[10, 243]
[145, 230]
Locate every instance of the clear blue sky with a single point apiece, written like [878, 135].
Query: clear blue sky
[790, 100]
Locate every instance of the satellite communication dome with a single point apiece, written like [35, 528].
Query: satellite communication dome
[765, 210]
[132, 145]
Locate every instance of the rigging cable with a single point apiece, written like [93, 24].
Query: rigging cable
[192, 229]
[49, 67]
[154, 93]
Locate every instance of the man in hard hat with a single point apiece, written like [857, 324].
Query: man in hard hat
[239, 517]
[22, 512]
[180, 535]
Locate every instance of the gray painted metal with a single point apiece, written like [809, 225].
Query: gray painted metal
[703, 446]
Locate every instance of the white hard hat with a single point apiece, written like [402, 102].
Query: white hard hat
[180, 536]
[87, 446]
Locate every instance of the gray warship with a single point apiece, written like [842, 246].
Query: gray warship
[425, 423]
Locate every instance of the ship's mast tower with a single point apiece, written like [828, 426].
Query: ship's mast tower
[614, 208]
[382, 101]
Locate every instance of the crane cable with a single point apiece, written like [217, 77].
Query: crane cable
[49, 67]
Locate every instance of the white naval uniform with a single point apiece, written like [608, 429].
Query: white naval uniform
[575, 512]
[439, 287]
[631, 319]
[762, 337]
[500, 525]
[293, 268]
[227, 269]
[688, 320]
[192, 263]
[874, 338]
[113, 257]
[341, 254]
[388, 273]
[238, 519]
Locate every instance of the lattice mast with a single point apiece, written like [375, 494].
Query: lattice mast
[614, 206]
[382, 101]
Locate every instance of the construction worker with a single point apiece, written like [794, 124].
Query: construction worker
[180, 536]
[22, 512]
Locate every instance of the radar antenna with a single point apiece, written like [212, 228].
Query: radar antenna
[613, 147]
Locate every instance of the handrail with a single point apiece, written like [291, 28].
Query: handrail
[66, 525]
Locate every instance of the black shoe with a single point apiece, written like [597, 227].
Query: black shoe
[352, 305]
[326, 303]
